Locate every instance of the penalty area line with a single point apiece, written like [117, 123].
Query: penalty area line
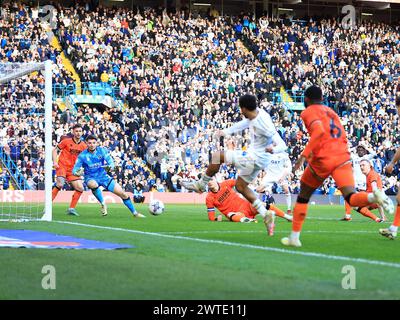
[240, 245]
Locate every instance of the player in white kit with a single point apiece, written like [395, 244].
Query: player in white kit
[264, 141]
[278, 171]
[357, 154]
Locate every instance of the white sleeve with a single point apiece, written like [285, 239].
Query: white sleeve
[279, 144]
[371, 155]
[267, 126]
[239, 126]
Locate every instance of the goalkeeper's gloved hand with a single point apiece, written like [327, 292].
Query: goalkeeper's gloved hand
[80, 172]
[109, 169]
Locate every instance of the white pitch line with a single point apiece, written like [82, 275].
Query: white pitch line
[322, 218]
[261, 231]
[241, 245]
[334, 219]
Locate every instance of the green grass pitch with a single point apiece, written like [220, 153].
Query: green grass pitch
[182, 255]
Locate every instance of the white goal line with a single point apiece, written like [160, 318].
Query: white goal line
[242, 245]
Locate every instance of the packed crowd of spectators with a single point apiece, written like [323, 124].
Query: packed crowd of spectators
[180, 76]
[356, 68]
[24, 39]
[22, 129]
[181, 79]
[183, 76]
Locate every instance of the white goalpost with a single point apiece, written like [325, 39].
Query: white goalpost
[26, 141]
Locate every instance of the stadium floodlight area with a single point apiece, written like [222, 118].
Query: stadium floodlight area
[25, 141]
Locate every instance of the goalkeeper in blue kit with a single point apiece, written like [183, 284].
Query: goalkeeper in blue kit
[95, 163]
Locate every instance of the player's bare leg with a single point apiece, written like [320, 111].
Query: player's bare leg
[199, 186]
[78, 187]
[60, 181]
[391, 232]
[117, 190]
[92, 185]
[268, 216]
[299, 215]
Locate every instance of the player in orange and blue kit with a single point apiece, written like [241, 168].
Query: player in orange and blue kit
[373, 181]
[237, 209]
[69, 149]
[327, 155]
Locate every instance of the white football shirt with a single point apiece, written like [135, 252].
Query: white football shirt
[262, 134]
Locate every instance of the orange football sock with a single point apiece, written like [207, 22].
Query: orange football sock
[75, 199]
[299, 215]
[366, 213]
[359, 199]
[347, 207]
[396, 221]
[54, 192]
[278, 211]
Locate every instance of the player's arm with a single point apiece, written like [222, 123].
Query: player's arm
[211, 210]
[396, 158]
[54, 155]
[55, 152]
[231, 183]
[238, 126]
[212, 216]
[277, 145]
[371, 153]
[317, 131]
[374, 185]
[108, 159]
[78, 167]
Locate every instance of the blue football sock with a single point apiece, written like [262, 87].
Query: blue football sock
[129, 204]
[99, 195]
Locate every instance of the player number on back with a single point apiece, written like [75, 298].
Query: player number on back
[335, 131]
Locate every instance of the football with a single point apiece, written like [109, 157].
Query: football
[156, 207]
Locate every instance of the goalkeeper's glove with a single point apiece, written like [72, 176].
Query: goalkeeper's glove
[80, 172]
[109, 169]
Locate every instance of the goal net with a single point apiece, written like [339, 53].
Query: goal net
[25, 141]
